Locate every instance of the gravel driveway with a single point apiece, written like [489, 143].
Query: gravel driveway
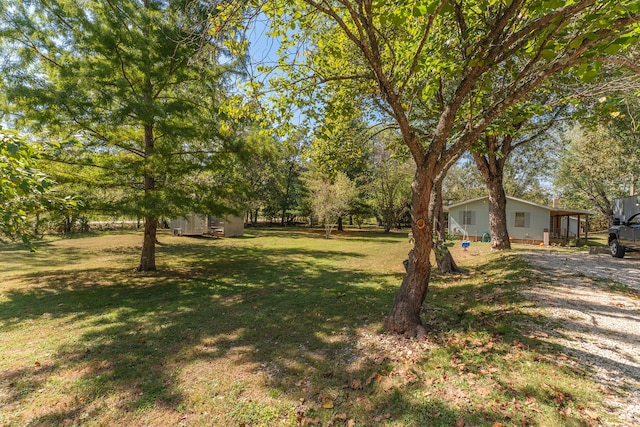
[600, 326]
[601, 266]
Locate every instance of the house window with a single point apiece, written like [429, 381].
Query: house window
[468, 218]
[520, 219]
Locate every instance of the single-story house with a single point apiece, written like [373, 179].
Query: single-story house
[198, 225]
[527, 222]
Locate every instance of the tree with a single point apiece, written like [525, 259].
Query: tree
[607, 110]
[137, 85]
[342, 143]
[284, 184]
[530, 166]
[391, 186]
[621, 108]
[330, 199]
[463, 181]
[611, 100]
[444, 259]
[400, 57]
[22, 188]
[590, 170]
[493, 151]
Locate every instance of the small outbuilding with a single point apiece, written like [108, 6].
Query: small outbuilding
[527, 222]
[203, 225]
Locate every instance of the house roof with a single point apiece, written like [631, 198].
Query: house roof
[553, 211]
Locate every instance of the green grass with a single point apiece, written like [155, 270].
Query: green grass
[280, 327]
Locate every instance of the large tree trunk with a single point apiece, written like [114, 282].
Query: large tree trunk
[491, 166]
[148, 256]
[444, 259]
[388, 222]
[340, 225]
[405, 313]
[498, 214]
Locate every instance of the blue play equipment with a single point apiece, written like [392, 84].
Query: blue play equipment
[465, 240]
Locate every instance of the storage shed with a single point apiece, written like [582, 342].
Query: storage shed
[202, 225]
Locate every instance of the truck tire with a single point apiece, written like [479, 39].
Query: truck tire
[616, 249]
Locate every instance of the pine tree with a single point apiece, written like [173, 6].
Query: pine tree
[137, 87]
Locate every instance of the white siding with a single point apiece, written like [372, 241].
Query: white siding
[480, 215]
[233, 226]
[536, 220]
[191, 224]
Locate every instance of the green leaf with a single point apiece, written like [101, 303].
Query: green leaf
[13, 148]
[548, 54]
[553, 4]
[576, 42]
[419, 10]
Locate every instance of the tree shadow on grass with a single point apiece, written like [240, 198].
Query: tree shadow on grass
[278, 315]
[350, 234]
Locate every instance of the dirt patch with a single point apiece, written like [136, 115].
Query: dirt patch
[599, 320]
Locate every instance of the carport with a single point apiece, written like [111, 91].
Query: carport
[562, 229]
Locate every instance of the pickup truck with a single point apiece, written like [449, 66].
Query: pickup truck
[624, 236]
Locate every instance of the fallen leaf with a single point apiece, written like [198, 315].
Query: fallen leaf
[497, 425]
[559, 398]
[483, 391]
[356, 385]
[379, 360]
[341, 417]
[382, 417]
[351, 423]
[327, 403]
[37, 364]
[374, 377]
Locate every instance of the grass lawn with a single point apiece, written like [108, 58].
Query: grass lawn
[278, 328]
